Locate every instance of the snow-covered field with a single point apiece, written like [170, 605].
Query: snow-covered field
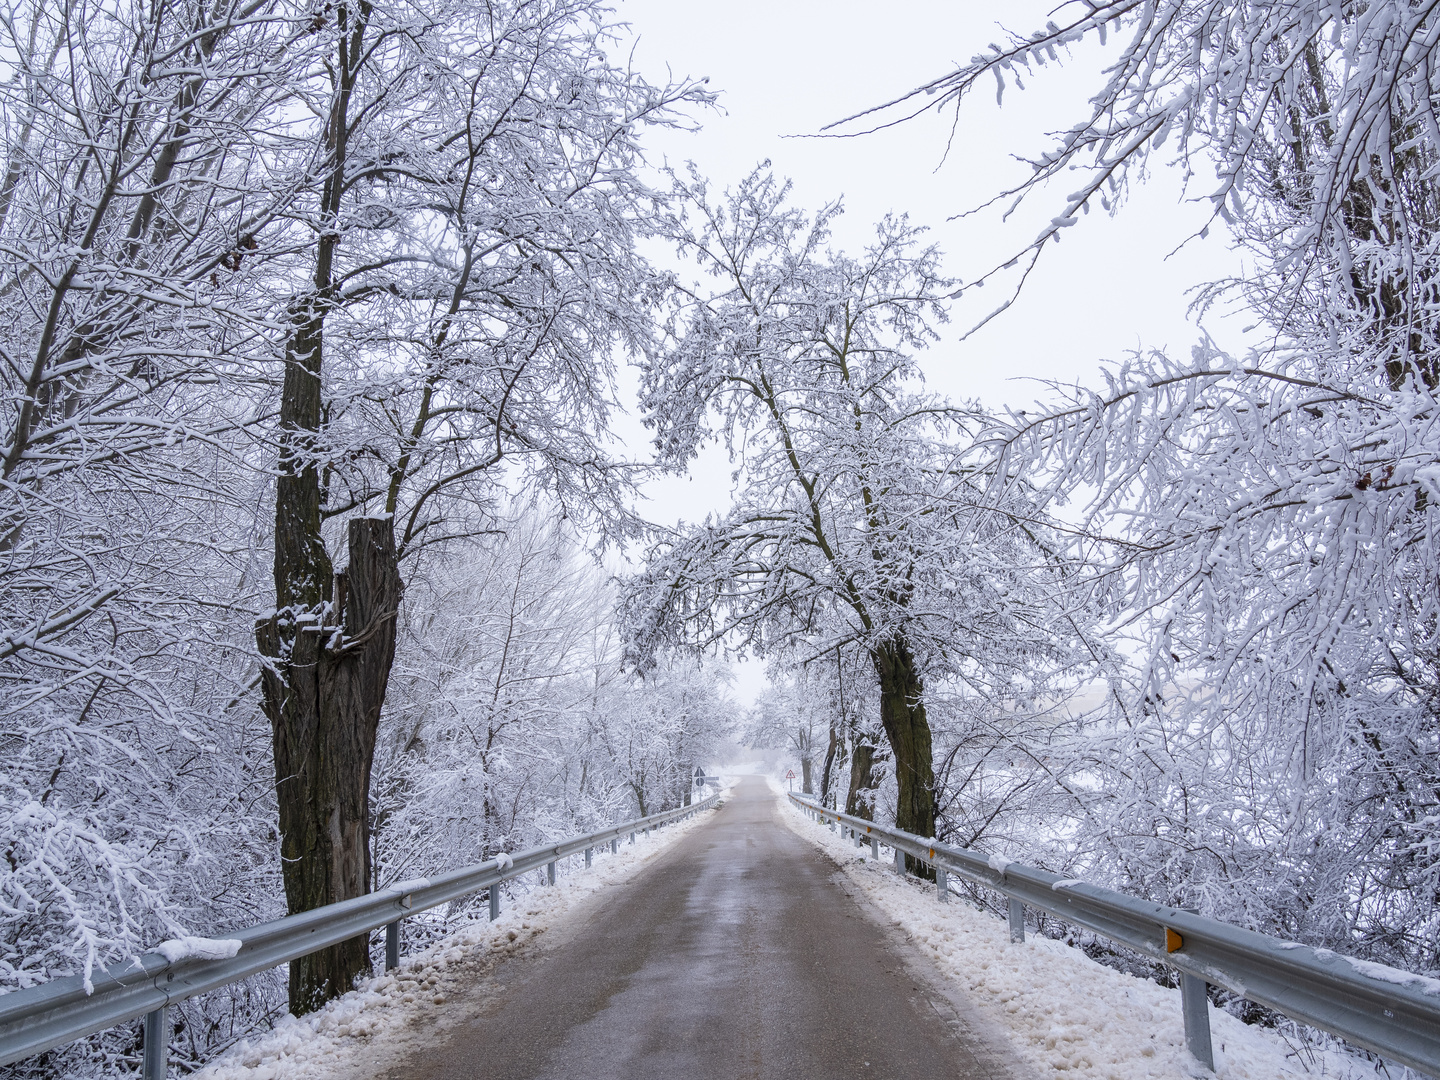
[1063, 1012]
[394, 1013]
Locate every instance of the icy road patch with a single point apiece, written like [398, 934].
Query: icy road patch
[392, 1014]
[1063, 1012]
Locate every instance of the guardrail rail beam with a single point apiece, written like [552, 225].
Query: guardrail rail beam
[63, 1010]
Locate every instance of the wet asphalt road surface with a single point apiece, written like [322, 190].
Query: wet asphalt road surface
[738, 953]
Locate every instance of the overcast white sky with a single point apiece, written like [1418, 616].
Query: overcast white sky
[786, 68]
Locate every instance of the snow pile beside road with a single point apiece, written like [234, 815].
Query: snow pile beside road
[404, 1010]
[1065, 1013]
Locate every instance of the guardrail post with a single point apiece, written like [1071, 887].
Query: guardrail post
[494, 901]
[632, 839]
[1017, 920]
[550, 872]
[899, 861]
[1195, 1003]
[392, 945]
[875, 848]
[157, 1042]
[614, 845]
[589, 857]
[942, 884]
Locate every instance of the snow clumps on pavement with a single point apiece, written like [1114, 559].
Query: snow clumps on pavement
[1065, 1013]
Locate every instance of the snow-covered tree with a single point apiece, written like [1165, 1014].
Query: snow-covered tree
[472, 268]
[671, 718]
[511, 721]
[790, 716]
[141, 161]
[378, 256]
[859, 522]
[1264, 527]
[1316, 119]
[506, 652]
[822, 708]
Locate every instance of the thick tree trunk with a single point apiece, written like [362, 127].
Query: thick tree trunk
[328, 653]
[902, 710]
[323, 689]
[806, 784]
[860, 801]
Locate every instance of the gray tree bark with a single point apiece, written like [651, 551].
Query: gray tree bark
[323, 688]
[837, 746]
[331, 641]
[902, 711]
[859, 801]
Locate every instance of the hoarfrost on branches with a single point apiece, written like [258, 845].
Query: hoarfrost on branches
[1261, 528]
[863, 520]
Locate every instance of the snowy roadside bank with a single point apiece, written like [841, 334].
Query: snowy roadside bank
[1063, 1011]
[437, 988]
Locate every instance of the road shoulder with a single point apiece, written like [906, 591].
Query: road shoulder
[1059, 1010]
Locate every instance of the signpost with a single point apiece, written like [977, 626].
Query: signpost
[790, 778]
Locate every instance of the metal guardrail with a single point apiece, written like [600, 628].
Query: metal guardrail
[43, 1017]
[1392, 1012]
